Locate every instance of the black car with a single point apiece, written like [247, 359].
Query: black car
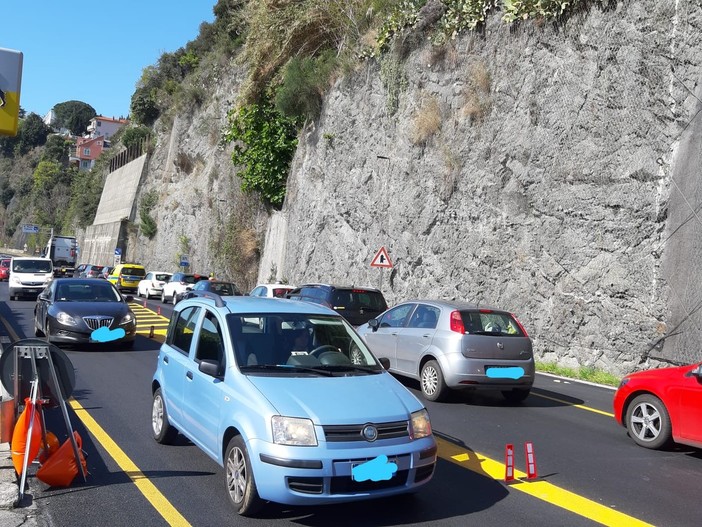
[82, 311]
[356, 304]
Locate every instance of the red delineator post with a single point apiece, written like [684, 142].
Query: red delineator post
[530, 460]
[509, 462]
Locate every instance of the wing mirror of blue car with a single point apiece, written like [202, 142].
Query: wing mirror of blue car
[373, 324]
[211, 368]
[129, 298]
[384, 362]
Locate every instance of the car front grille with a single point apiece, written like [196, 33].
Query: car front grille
[98, 322]
[339, 433]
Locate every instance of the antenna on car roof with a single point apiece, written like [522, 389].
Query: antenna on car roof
[219, 302]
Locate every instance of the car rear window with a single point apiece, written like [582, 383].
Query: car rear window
[358, 299]
[163, 277]
[280, 292]
[133, 271]
[487, 322]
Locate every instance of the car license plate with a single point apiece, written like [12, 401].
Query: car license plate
[357, 464]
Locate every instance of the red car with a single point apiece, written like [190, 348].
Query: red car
[660, 405]
[4, 269]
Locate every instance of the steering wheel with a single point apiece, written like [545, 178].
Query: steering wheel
[319, 350]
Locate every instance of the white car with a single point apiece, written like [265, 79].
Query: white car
[272, 290]
[152, 284]
[178, 285]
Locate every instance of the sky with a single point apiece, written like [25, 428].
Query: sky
[94, 52]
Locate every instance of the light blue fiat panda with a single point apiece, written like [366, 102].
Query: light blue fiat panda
[289, 400]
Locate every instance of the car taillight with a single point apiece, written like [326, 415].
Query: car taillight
[457, 322]
[520, 325]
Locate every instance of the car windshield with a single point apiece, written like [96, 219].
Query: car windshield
[486, 322]
[5, 263]
[188, 279]
[78, 292]
[133, 271]
[299, 344]
[32, 266]
[224, 288]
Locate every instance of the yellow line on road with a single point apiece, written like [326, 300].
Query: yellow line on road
[567, 403]
[537, 488]
[148, 489]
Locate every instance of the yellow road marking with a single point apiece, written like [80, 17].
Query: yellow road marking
[148, 489]
[147, 318]
[581, 406]
[539, 489]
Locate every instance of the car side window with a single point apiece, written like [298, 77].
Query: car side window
[210, 344]
[258, 291]
[424, 317]
[184, 329]
[395, 318]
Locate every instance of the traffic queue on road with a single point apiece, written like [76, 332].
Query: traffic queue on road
[297, 353]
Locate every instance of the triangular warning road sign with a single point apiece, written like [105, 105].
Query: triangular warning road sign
[381, 259]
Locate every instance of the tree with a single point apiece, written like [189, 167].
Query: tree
[56, 149]
[32, 132]
[74, 115]
[143, 108]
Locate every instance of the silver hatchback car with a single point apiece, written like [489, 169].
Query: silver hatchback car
[454, 345]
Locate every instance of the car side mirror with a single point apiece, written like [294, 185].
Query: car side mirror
[210, 367]
[129, 298]
[384, 362]
[373, 324]
[697, 372]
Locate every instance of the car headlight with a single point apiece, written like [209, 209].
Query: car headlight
[65, 319]
[127, 319]
[420, 426]
[293, 431]
[15, 280]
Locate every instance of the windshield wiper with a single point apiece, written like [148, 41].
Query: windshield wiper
[287, 367]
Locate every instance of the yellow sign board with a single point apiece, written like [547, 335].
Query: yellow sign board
[10, 84]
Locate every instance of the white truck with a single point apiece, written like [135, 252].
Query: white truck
[62, 250]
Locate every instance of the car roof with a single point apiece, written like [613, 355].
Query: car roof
[452, 304]
[337, 286]
[80, 281]
[262, 305]
[288, 286]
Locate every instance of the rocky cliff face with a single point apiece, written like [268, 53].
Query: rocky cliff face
[535, 167]
[526, 167]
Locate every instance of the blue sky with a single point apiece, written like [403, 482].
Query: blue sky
[94, 51]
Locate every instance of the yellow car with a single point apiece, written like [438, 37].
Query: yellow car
[126, 277]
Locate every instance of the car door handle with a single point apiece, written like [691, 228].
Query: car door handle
[189, 375]
[427, 335]
[165, 359]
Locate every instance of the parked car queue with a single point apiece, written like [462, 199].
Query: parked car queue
[450, 346]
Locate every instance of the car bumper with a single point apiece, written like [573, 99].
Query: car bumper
[26, 290]
[488, 374]
[71, 335]
[307, 476]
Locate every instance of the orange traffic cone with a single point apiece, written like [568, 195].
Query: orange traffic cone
[61, 468]
[19, 436]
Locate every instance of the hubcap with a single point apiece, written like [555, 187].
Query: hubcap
[157, 415]
[236, 475]
[430, 380]
[646, 422]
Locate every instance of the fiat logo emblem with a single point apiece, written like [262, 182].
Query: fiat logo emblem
[370, 433]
